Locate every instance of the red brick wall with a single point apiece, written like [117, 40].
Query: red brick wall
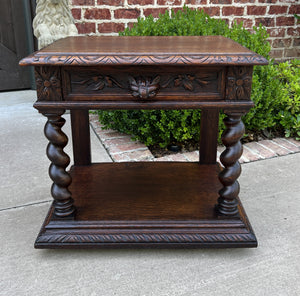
[107, 17]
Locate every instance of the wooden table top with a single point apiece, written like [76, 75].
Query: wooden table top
[144, 50]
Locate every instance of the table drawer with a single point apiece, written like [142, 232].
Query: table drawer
[142, 83]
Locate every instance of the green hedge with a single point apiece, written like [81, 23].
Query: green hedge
[288, 74]
[276, 99]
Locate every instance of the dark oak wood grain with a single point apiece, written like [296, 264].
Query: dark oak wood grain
[145, 50]
[145, 204]
[227, 202]
[149, 105]
[209, 129]
[81, 137]
[63, 201]
[145, 191]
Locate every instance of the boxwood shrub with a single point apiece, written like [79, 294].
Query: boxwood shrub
[274, 108]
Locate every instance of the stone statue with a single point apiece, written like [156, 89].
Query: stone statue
[53, 21]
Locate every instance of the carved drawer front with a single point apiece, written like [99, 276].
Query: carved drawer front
[143, 83]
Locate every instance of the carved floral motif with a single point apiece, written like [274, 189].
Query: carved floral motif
[48, 84]
[239, 83]
[188, 81]
[98, 82]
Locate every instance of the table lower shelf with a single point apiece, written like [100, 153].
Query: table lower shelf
[145, 204]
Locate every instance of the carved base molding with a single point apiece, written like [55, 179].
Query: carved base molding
[98, 234]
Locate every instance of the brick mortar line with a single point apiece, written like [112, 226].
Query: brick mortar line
[253, 152]
[168, 8]
[112, 138]
[269, 149]
[208, 3]
[245, 158]
[126, 20]
[128, 151]
[230, 18]
[181, 5]
[238, 5]
[286, 140]
[290, 151]
[186, 158]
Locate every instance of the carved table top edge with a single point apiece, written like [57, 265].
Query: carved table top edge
[144, 50]
[100, 60]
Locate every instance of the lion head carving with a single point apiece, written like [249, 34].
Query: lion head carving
[53, 21]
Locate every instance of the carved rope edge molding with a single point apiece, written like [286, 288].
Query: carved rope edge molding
[143, 60]
[145, 238]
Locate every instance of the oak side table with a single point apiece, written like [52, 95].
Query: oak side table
[144, 204]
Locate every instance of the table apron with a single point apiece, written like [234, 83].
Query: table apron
[130, 105]
[143, 83]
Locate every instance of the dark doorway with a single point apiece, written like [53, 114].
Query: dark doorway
[16, 41]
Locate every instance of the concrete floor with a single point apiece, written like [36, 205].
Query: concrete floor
[270, 191]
